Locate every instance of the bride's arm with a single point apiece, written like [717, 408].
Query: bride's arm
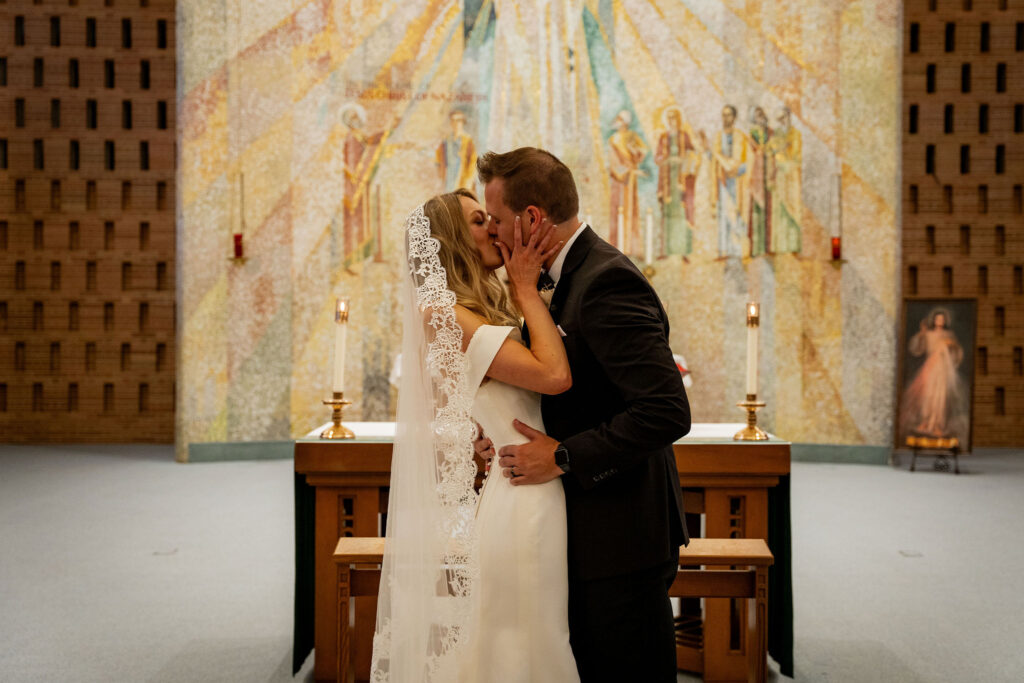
[543, 367]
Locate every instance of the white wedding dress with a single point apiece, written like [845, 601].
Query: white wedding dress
[519, 632]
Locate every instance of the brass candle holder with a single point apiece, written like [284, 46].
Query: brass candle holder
[337, 430]
[751, 432]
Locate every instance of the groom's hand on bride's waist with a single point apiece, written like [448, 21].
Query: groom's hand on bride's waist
[532, 462]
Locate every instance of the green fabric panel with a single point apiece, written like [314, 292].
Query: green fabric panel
[240, 450]
[838, 453]
[780, 578]
[305, 573]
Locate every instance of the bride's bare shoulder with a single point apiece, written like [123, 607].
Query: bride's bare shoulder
[469, 321]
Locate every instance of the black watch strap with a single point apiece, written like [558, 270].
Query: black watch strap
[562, 458]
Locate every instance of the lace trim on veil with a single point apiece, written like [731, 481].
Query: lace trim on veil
[452, 430]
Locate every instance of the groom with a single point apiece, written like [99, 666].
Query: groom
[610, 436]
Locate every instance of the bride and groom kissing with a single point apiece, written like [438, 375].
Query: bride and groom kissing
[559, 569]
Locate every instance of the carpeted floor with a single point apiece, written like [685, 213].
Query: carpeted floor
[117, 564]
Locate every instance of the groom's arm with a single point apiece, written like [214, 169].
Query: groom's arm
[621, 323]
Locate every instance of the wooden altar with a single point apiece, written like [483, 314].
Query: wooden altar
[726, 484]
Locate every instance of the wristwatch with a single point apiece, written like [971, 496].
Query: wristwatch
[562, 458]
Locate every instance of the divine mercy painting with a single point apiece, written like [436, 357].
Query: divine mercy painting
[938, 368]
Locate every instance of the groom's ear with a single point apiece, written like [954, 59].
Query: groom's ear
[533, 219]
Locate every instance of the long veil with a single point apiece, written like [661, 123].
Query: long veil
[430, 566]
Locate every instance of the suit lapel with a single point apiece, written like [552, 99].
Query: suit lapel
[577, 254]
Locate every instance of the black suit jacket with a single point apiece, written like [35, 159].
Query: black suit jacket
[626, 406]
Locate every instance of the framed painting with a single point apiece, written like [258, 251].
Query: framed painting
[936, 371]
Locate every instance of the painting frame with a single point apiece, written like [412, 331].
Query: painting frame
[915, 352]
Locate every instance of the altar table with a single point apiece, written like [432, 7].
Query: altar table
[740, 488]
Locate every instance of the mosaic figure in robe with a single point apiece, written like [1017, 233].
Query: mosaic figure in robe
[730, 168]
[362, 153]
[456, 155]
[626, 151]
[934, 402]
[678, 163]
[759, 218]
[785, 150]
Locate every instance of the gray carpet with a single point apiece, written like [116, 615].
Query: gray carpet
[117, 564]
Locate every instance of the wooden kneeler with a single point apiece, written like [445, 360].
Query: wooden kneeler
[709, 568]
[732, 568]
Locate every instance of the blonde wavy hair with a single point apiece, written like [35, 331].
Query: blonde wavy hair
[475, 287]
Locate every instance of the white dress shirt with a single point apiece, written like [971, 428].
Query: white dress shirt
[556, 268]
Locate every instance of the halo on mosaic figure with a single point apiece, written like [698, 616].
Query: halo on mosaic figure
[664, 115]
[353, 108]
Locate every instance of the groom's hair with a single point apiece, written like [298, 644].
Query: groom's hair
[532, 176]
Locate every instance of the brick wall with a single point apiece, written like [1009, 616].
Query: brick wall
[87, 245]
[963, 169]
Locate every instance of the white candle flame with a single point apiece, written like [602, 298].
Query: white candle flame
[753, 320]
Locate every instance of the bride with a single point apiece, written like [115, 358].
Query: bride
[473, 588]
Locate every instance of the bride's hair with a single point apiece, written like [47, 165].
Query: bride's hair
[475, 287]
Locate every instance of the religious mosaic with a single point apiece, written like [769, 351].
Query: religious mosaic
[722, 144]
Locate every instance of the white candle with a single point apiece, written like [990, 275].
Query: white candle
[753, 320]
[340, 330]
[649, 238]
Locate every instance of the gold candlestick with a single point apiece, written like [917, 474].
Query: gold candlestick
[337, 430]
[751, 432]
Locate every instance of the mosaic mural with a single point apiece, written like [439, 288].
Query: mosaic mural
[722, 143]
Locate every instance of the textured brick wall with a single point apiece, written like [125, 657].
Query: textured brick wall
[87, 248]
[964, 213]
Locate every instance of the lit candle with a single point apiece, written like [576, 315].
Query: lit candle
[837, 249]
[753, 320]
[340, 329]
[649, 237]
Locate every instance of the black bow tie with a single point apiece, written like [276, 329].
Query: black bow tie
[544, 283]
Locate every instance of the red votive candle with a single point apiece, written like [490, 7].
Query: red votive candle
[238, 245]
[836, 249]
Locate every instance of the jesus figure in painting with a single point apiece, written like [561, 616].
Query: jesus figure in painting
[933, 402]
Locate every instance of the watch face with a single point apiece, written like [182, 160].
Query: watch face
[562, 458]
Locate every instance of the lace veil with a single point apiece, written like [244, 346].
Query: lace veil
[430, 567]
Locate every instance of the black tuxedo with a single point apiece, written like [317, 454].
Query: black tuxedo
[624, 506]
[626, 406]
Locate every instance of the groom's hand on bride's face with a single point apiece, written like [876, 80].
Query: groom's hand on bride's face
[532, 462]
